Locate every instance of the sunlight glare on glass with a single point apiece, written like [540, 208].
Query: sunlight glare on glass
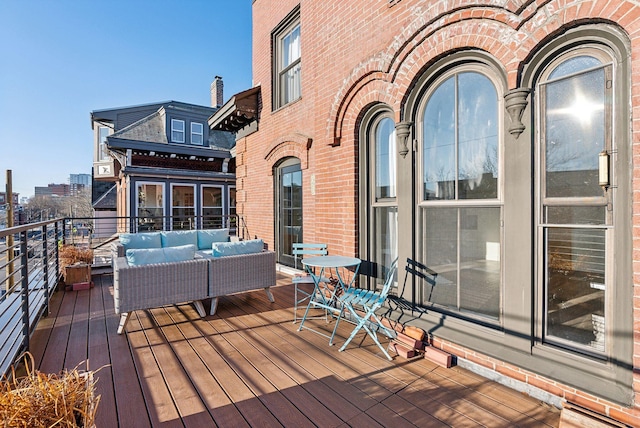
[582, 109]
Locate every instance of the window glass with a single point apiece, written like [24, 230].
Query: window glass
[183, 207]
[177, 131]
[286, 60]
[574, 65]
[576, 287]
[233, 219]
[460, 144]
[385, 158]
[103, 134]
[196, 133]
[212, 207]
[460, 162]
[575, 134]
[150, 206]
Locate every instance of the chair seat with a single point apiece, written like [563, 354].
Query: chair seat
[361, 305]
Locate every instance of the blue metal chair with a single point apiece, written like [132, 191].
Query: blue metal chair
[301, 250]
[362, 306]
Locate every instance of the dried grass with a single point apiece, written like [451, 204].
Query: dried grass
[48, 400]
[71, 254]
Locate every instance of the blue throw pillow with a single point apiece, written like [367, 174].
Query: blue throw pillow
[140, 240]
[221, 249]
[145, 256]
[209, 236]
[175, 238]
[180, 253]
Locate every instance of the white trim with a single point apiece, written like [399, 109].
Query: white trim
[174, 122]
[172, 206]
[194, 133]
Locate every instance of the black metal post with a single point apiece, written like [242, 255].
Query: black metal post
[24, 259]
[45, 260]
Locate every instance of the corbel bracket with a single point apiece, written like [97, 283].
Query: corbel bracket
[515, 101]
[403, 130]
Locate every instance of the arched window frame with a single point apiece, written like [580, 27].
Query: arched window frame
[424, 297]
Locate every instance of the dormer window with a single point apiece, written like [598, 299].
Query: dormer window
[177, 131]
[196, 133]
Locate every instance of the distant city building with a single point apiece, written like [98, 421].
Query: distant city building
[4, 200]
[53, 190]
[84, 179]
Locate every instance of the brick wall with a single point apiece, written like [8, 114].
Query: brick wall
[366, 51]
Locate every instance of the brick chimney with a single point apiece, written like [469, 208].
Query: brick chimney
[217, 97]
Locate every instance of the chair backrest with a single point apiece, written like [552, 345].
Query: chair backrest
[300, 249]
[391, 274]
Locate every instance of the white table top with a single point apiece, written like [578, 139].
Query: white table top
[331, 261]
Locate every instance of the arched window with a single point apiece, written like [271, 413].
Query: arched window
[460, 208]
[575, 198]
[380, 214]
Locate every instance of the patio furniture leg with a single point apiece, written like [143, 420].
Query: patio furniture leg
[269, 295]
[362, 323]
[199, 308]
[124, 317]
[214, 306]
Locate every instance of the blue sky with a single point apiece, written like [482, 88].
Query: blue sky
[62, 59]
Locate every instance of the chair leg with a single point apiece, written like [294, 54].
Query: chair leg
[124, 317]
[199, 308]
[362, 323]
[214, 306]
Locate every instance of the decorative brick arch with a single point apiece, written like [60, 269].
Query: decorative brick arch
[291, 145]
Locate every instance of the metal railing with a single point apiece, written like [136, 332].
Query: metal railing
[29, 274]
[30, 267]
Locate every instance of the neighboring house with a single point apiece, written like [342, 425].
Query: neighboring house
[492, 142]
[171, 171]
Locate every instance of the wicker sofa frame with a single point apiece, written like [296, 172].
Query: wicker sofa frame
[154, 285]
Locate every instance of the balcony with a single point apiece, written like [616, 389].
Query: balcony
[249, 366]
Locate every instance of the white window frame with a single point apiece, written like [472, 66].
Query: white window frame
[162, 200]
[103, 153]
[284, 29]
[196, 133]
[203, 206]
[172, 206]
[176, 132]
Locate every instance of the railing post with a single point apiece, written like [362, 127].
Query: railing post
[45, 260]
[57, 247]
[24, 259]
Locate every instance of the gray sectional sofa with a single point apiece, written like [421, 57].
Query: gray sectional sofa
[163, 268]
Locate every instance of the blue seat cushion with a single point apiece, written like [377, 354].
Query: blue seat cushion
[209, 236]
[179, 253]
[140, 240]
[175, 238]
[221, 249]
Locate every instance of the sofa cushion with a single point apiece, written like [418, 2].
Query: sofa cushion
[221, 249]
[179, 253]
[140, 240]
[175, 238]
[144, 256]
[209, 236]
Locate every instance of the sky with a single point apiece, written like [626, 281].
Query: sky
[62, 59]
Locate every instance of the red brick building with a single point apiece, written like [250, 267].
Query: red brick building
[494, 142]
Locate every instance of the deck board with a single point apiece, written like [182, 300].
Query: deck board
[249, 366]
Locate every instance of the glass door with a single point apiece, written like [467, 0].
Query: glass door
[576, 210]
[289, 209]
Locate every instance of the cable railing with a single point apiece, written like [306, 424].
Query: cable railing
[29, 274]
[30, 263]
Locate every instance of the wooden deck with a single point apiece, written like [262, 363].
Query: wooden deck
[249, 366]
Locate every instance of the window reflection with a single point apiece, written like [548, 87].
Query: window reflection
[460, 147]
